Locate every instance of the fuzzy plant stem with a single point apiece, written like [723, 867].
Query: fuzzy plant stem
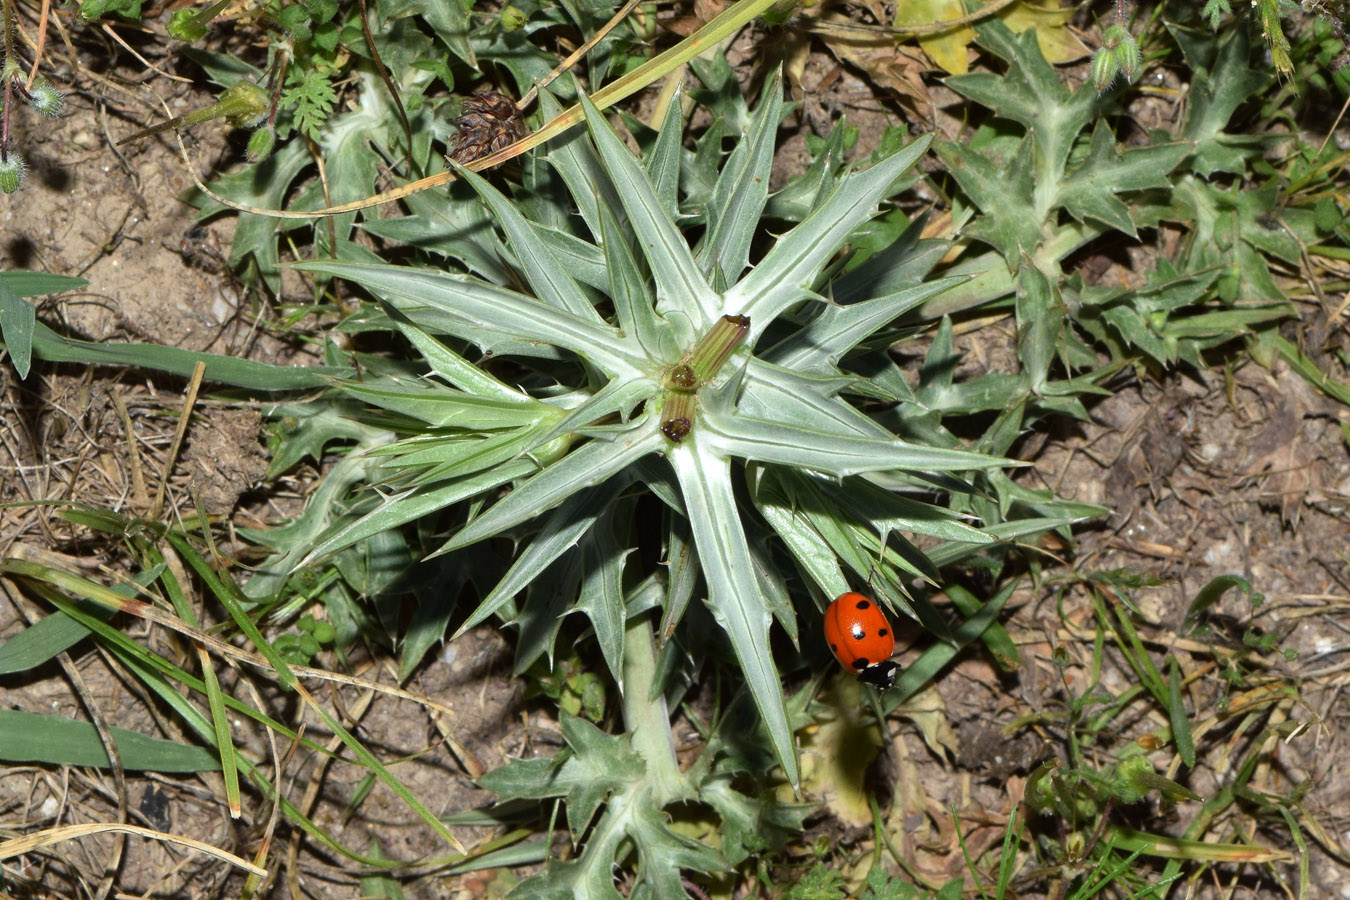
[645, 716]
[7, 97]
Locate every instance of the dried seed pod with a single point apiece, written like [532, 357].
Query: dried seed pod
[488, 122]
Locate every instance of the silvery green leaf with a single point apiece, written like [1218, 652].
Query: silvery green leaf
[450, 365]
[540, 614]
[441, 406]
[795, 200]
[616, 397]
[682, 571]
[1003, 193]
[819, 346]
[989, 277]
[437, 321]
[560, 532]
[1030, 93]
[699, 170]
[587, 878]
[435, 600]
[785, 274]
[838, 534]
[776, 393]
[582, 260]
[905, 262]
[664, 853]
[733, 211]
[634, 305]
[1108, 170]
[830, 452]
[601, 597]
[808, 549]
[468, 456]
[475, 306]
[678, 283]
[658, 477]
[590, 464]
[1040, 321]
[733, 592]
[663, 162]
[574, 158]
[885, 511]
[549, 278]
[771, 583]
[404, 507]
[454, 225]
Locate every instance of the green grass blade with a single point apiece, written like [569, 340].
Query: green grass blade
[214, 698]
[17, 319]
[243, 373]
[996, 638]
[32, 284]
[58, 632]
[937, 656]
[1176, 714]
[151, 668]
[227, 592]
[56, 740]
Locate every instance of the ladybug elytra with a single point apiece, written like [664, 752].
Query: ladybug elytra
[861, 639]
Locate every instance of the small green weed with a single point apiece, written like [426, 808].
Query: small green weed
[34, 92]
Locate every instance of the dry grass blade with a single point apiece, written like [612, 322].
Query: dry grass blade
[198, 371]
[29, 843]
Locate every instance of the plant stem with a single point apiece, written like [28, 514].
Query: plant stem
[646, 717]
[6, 98]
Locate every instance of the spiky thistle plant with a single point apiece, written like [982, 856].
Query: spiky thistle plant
[630, 364]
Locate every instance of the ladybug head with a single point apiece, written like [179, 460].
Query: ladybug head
[880, 675]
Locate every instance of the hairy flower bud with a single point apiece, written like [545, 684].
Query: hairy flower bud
[1105, 68]
[260, 144]
[1127, 54]
[12, 170]
[47, 99]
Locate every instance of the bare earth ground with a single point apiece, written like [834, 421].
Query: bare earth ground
[1207, 476]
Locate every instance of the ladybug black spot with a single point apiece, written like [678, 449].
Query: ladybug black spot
[861, 663]
[883, 632]
[863, 604]
[857, 632]
[834, 648]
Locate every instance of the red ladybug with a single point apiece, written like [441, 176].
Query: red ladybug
[861, 639]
